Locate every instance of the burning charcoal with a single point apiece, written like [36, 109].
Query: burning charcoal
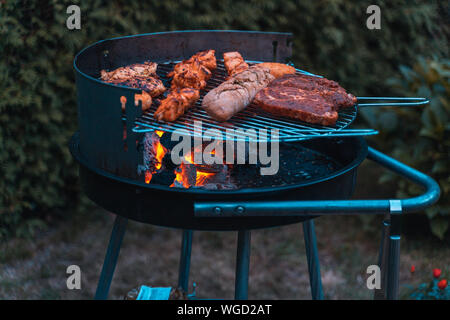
[149, 152]
[186, 176]
[167, 162]
[167, 142]
[153, 152]
[211, 168]
[163, 177]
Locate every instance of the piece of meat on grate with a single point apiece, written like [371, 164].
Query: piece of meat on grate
[189, 77]
[277, 69]
[206, 59]
[307, 98]
[241, 86]
[154, 87]
[193, 75]
[140, 70]
[234, 63]
[236, 93]
[139, 75]
[176, 103]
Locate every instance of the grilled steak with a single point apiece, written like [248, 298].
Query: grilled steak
[307, 98]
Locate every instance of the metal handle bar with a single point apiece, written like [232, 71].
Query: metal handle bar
[410, 101]
[323, 207]
[336, 133]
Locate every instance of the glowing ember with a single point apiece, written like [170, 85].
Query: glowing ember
[154, 154]
[189, 158]
[160, 153]
[182, 174]
[148, 176]
[181, 177]
[202, 177]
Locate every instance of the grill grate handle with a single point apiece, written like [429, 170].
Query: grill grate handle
[393, 101]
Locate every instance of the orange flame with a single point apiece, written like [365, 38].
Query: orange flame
[202, 177]
[148, 177]
[181, 174]
[181, 177]
[160, 153]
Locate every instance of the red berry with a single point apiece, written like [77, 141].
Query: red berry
[413, 268]
[442, 284]
[436, 273]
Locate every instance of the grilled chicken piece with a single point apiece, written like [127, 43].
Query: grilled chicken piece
[189, 77]
[153, 86]
[139, 75]
[193, 76]
[140, 70]
[176, 104]
[206, 59]
[234, 63]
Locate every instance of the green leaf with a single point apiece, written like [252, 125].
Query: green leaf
[439, 226]
[441, 166]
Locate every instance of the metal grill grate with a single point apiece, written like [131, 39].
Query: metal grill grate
[247, 123]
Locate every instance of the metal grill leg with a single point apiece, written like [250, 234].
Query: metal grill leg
[110, 261]
[313, 260]
[394, 255]
[380, 294]
[394, 268]
[185, 260]
[242, 265]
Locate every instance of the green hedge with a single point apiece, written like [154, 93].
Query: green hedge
[38, 106]
[420, 136]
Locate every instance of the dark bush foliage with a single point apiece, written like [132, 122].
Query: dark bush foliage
[38, 106]
[420, 136]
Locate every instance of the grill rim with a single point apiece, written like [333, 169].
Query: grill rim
[104, 41]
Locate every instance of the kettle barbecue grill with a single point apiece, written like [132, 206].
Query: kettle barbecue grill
[319, 163]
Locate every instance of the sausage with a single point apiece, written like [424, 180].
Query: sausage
[233, 95]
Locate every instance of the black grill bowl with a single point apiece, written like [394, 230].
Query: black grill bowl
[173, 207]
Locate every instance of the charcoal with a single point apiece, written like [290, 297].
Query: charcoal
[166, 141]
[163, 177]
[167, 162]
